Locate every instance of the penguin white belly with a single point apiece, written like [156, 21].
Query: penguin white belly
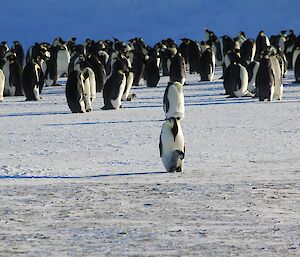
[171, 146]
[243, 91]
[63, 60]
[8, 89]
[129, 82]
[278, 87]
[251, 83]
[212, 68]
[116, 103]
[2, 82]
[175, 98]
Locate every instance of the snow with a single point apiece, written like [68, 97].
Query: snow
[93, 184]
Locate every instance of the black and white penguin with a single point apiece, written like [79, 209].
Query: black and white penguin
[262, 42]
[115, 86]
[2, 82]
[276, 69]
[173, 101]
[99, 70]
[296, 64]
[194, 57]
[63, 60]
[13, 76]
[236, 81]
[247, 51]
[17, 48]
[81, 88]
[184, 49]
[33, 77]
[252, 69]
[171, 145]
[151, 73]
[207, 64]
[125, 57]
[32, 80]
[265, 80]
[75, 92]
[50, 67]
[177, 69]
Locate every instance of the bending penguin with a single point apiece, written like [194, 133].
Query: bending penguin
[173, 102]
[171, 145]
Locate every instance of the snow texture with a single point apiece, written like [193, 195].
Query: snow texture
[93, 184]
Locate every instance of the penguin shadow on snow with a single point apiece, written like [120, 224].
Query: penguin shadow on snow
[24, 114]
[102, 122]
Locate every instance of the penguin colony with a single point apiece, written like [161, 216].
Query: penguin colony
[251, 68]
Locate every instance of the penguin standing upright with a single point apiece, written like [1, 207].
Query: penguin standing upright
[262, 42]
[171, 145]
[296, 64]
[2, 82]
[74, 92]
[265, 80]
[33, 76]
[236, 80]
[129, 74]
[50, 67]
[252, 69]
[247, 51]
[81, 89]
[13, 74]
[114, 86]
[17, 48]
[99, 70]
[207, 65]
[151, 68]
[278, 86]
[194, 55]
[177, 69]
[173, 101]
[63, 60]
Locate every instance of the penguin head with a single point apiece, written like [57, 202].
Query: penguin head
[10, 56]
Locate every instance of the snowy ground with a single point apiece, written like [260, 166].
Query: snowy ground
[93, 184]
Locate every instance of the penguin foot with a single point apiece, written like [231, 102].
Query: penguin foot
[88, 110]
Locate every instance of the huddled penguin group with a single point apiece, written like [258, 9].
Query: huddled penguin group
[252, 67]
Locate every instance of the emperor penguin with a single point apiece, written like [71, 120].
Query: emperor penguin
[171, 145]
[247, 51]
[114, 86]
[194, 55]
[13, 74]
[262, 42]
[63, 60]
[81, 89]
[151, 74]
[99, 70]
[125, 57]
[173, 101]
[296, 64]
[2, 82]
[236, 81]
[33, 77]
[207, 65]
[276, 69]
[75, 92]
[252, 69]
[265, 80]
[17, 48]
[177, 69]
